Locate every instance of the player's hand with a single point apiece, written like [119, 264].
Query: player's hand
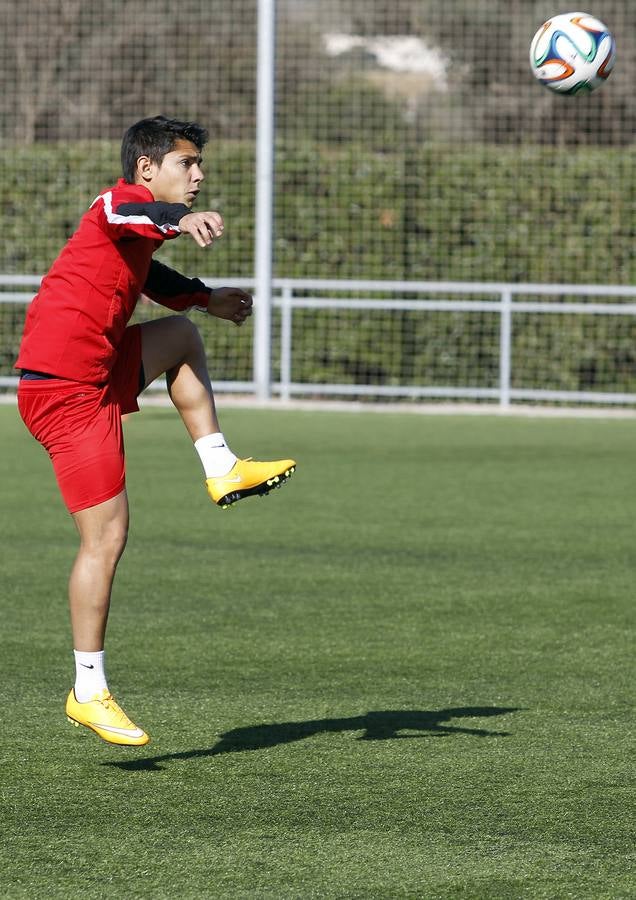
[230, 303]
[203, 227]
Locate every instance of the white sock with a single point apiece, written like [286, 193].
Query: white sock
[216, 457]
[89, 674]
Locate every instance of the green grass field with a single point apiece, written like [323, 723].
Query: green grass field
[407, 674]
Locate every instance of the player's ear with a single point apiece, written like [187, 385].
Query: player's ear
[146, 169]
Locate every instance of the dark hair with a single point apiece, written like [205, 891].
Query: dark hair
[154, 138]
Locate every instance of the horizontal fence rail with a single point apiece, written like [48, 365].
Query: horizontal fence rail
[507, 303]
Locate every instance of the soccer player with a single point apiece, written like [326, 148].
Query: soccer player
[83, 368]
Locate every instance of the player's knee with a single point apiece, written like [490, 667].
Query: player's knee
[109, 544]
[190, 337]
[118, 539]
[183, 339]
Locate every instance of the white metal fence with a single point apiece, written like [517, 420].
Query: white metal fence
[503, 372]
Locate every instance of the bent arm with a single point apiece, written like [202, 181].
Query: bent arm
[174, 290]
[121, 218]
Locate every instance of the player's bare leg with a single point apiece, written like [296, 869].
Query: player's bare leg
[103, 530]
[173, 345]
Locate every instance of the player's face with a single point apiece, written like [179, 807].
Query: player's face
[179, 177]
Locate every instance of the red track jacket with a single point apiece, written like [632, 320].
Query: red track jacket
[75, 323]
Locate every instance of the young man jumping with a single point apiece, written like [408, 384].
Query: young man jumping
[83, 367]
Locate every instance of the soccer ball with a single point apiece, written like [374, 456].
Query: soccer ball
[572, 53]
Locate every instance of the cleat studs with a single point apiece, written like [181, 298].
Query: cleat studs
[259, 489]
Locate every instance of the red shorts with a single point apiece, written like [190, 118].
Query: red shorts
[80, 426]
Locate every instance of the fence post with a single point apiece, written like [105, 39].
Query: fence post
[263, 250]
[505, 351]
[285, 341]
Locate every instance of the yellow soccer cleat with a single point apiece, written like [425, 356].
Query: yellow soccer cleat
[105, 717]
[248, 477]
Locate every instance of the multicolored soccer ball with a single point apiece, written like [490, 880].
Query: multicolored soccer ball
[572, 53]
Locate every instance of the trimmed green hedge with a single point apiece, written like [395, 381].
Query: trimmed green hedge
[443, 213]
[426, 212]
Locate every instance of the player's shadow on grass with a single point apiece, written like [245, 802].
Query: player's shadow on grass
[376, 726]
